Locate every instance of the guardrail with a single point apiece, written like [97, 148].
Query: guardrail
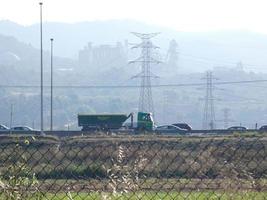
[63, 133]
[221, 131]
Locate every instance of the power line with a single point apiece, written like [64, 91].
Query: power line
[208, 60]
[134, 86]
[231, 93]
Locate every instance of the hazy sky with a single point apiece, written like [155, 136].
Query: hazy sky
[184, 15]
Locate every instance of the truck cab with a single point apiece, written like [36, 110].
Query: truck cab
[145, 121]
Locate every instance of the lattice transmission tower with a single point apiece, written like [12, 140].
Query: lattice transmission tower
[146, 60]
[209, 113]
[226, 117]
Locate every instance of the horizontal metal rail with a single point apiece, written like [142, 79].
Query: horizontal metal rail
[64, 133]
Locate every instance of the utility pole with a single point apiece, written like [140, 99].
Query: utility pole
[146, 59]
[209, 114]
[51, 96]
[41, 59]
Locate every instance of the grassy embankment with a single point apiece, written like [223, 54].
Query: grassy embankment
[229, 165]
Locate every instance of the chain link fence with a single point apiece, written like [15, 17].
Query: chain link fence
[133, 167]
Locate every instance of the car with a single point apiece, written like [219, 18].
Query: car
[170, 129]
[263, 128]
[3, 128]
[22, 128]
[183, 126]
[237, 128]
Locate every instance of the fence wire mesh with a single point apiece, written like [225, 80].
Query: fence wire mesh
[133, 167]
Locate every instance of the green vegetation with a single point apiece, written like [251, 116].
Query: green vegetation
[82, 172]
[135, 167]
[18, 181]
[171, 157]
[154, 196]
[34, 140]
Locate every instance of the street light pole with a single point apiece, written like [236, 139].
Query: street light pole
[51, 100]
[41, 48]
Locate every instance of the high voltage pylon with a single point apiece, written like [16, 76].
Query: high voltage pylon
[209, 113]
[226, 117]
[146, 59]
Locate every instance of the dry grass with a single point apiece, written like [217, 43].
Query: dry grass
[128, 164]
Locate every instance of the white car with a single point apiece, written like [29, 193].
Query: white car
[3, 128]
[22, 128]
[170, 129]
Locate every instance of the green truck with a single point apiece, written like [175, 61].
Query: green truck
[94, 122]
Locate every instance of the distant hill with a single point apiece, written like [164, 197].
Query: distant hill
[20, 65]
[19, 62]
[69, 38]
[10, 46]
[197, 51]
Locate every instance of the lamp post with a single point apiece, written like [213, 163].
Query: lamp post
[51, 100]
[41, 49]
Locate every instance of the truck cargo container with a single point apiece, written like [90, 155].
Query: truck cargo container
[93, 122]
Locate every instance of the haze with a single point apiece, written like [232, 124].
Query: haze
[93, 46]
[189, 15]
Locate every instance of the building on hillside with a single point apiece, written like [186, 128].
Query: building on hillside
[102, 56]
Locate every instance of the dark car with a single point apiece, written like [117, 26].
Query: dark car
[183, 126]
[170, 129]
[237, 128]
[263, 128]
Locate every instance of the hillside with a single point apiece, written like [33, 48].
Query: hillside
[20, 66]
[197, 51]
